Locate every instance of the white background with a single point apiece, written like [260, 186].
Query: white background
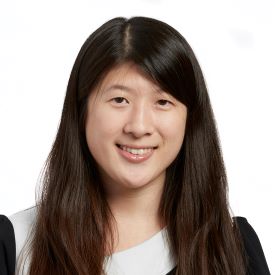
[235, 45]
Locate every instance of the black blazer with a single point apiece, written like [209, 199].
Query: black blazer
[7, 246]
[256, 259]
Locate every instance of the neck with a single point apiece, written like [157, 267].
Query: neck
[137, 206]
[136, 213]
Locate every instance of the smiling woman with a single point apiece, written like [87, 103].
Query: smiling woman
[135, 181]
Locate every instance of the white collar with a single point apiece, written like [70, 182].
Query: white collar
[152, 257]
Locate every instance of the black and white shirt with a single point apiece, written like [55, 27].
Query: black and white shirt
[152, 257]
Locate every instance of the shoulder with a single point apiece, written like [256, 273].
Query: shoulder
[7, 246]
[6, 229]
[24, 218]
[256, 259]
[22, 223]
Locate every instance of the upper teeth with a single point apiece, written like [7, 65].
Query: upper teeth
[136, 151]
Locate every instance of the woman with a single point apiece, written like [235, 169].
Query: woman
[135, 181]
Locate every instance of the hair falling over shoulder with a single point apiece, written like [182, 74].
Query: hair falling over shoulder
[74, 218]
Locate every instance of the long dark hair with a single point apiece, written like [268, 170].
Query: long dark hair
[74, 219]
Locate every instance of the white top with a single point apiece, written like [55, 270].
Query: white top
[152, 257]
[22, 224]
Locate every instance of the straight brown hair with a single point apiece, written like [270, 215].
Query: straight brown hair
[74, 219]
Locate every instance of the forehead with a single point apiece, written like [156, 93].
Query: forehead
[127, 77]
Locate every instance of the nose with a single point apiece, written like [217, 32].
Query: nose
[140, 121]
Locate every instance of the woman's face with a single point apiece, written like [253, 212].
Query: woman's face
[134, 130]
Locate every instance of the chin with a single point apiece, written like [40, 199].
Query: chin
[133, 185]
[136, 183]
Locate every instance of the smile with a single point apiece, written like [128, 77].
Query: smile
[135, 155]
[135, 151]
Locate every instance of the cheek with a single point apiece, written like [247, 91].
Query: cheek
[100, 127]
[173, 125]
[173, 130]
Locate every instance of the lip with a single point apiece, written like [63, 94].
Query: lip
[137, 146]
[136, 158]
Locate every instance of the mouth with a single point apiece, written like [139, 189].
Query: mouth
[136, 154]
[136, 150]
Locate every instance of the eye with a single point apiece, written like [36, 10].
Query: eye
[164, 103]
[119, 100]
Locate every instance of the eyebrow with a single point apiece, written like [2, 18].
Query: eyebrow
[118, 87]
[127, 89]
